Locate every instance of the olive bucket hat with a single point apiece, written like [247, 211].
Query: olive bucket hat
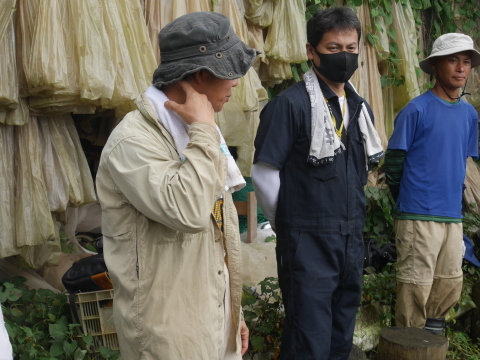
[201, 41]
[448, 44]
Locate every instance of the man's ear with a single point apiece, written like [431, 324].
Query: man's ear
[202, 77]
[200, 80]
[433, 63]
[310, 51]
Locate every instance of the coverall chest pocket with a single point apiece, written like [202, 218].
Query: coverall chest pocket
[324, 172]
[358, 154]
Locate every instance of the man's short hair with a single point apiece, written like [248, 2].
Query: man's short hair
[336, 18]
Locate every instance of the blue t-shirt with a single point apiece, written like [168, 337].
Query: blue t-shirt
[438, 137]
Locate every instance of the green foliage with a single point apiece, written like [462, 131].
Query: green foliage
[379, 221]
[471, 221]
[39, 324]
[264, 316]
[271, 238]
[462, 348]
[379, 287]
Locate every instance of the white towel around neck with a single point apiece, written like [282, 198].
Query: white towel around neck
[325, 143]
[179, 131]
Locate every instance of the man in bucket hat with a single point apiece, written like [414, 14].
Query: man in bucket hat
[165, 180]
[425, 167]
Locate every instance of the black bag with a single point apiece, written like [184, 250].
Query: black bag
[378, 257]
[79, 277]
[87, 274]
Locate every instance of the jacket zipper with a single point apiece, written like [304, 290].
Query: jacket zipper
[137, 266]
[348, 157]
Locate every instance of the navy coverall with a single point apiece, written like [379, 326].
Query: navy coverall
[319, 222]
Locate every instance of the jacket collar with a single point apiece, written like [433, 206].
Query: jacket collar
[330, 95]
[146, 109]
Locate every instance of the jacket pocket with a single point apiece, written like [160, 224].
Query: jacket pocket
[121, 255]
[324, 172]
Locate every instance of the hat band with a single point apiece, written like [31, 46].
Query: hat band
[200, 50]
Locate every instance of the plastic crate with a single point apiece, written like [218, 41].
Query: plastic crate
[95, 312]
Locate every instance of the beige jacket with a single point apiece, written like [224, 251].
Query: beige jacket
[163, 249]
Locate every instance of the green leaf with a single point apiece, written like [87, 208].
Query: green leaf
[69, 348]
[79, 354]
[437, 29]
[416, 4]
[27, 331]
[56, 349]
[391, 32]
[382, 12]
[28, 295]
[3, 296]
[469, 24]
[389, 19]
[447, 9]
[8, 285]
[46, 293]
[15, 312]
[32, 352]
[88, 339]
[379, 27]
[384, 80]
[304, 66]
[257, 342]
[15, 295]
[271, 238]
[372, 39]
[357, 2]
[426, 4]
[451, 27]
[374, 12]
[388, 6]
[108, 353]
[57, 331]
[393, 47]
[296, 77]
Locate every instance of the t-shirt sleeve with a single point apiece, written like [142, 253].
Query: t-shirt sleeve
[370, 113]
[404, 129]
[473, 139]
[276, 133]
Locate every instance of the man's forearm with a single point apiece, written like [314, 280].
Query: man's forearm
[394, 159]
[266, 181]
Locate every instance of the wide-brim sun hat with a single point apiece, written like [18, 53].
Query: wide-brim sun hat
[448, 44]
[201, 41]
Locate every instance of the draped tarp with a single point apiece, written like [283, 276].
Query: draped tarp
[367, 77]
[160, 13]
[102, 59]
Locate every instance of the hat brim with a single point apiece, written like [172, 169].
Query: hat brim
[425, 63]
[233, 64]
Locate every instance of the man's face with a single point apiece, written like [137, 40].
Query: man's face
[453, 70]
[218, 91]
[334, 41]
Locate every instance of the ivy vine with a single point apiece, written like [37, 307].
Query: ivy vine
[436, 17]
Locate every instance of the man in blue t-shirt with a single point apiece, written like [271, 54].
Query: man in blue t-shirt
[425, 166]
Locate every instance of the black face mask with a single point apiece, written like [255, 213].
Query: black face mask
[337, 67]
